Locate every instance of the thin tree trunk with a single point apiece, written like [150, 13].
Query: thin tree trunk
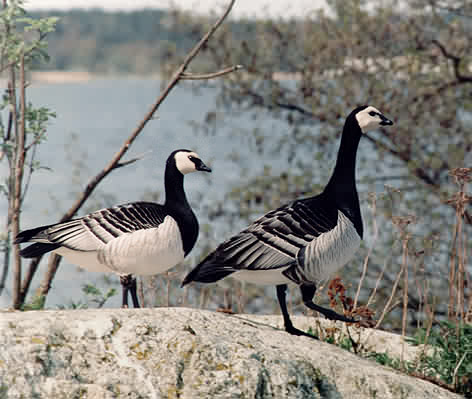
[19, 165]
[7, 134]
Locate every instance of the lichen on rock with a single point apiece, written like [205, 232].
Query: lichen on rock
[185, 353]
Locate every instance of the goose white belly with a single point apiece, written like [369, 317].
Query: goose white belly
[262, 277]
[143, 252]
[85, 259]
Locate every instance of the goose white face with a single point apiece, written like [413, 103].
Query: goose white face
[371, 118]
[188, 162]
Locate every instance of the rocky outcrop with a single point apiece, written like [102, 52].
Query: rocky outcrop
[186, 353]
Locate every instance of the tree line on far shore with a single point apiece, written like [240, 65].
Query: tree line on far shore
[132, 42]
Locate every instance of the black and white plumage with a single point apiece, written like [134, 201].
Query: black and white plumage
[305, 241]
[138, 238]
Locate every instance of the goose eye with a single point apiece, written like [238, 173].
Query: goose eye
[195, 160]
[372, 113]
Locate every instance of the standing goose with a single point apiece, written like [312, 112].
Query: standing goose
[142, 238]
[304, 241]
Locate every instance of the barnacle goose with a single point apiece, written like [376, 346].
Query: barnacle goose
[142, 238]
[304, 241]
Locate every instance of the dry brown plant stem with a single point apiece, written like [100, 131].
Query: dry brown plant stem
[377, 283]
[430, 313]
[421, 290]
[373, 204]
[390, 299]
[460, 266]
[452, 275]
[405, 292]
[457, 273]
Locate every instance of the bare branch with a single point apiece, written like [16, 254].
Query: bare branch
[115, 162]
[133, 160]
[295, 107]
[260, 101]
[456, 61]
[191, 76]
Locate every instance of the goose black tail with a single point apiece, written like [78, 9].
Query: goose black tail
[27, 235]
[208, 272]
[37, 249]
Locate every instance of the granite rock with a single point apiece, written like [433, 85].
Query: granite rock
[189, 353]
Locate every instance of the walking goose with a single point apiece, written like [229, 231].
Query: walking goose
[304, 241]
[142, 238]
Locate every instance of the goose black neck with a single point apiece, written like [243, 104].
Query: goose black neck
[174, 187]
[343, 179]
[341, 188]
[179, 208]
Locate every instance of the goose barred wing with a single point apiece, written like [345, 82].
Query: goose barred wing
[271, 242]
[95, 229]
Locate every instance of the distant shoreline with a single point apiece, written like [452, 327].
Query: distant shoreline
[60, 77]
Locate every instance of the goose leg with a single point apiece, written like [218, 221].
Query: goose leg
[126, 284]
[281, 290]
[308, 292]
[133, 290]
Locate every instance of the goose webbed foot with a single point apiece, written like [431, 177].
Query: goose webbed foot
[295, 331]
[281, 290]
[308, 292]
[330, 314]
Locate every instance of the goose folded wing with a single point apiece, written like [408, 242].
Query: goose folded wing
[274, 240]
[92, 231]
